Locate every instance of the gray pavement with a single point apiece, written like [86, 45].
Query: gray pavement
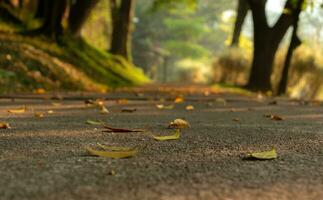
[45, 158]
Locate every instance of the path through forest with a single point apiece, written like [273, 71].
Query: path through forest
[45, 157]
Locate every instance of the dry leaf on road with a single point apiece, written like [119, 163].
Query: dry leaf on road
[179, 100]
[103, 110]
[175, 136]
[274, 117]
[38, 115]
[266, 155]
[129, 110]
[179, 124]
[91, 122]
[189, 107]
[18, 110]
[4, 125]
[165, 107]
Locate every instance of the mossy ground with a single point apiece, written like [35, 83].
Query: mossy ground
[29, 62]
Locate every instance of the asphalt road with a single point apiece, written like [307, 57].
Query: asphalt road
[45, 158]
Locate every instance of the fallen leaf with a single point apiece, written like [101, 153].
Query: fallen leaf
[93, 103]
[50, 112]
[40, 91]
[112, 173]
[38, 115]
[178, 124]
[236, 119]
[189, 107]
[274, 117]
[91, 122]
[4, 125]
[175, 136]
[165, 107]
[114, 148]
[266, 155]
[110, 129]
[112, 154]
[122, 101]
[129, 110]
[18, 110]
[103, 110]
[179, 100]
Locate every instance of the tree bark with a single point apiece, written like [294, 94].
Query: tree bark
[122, 25]
[266, 43]
[52, 25]
[242, 11]
[79, 12]
[42, 9]
[295, 42]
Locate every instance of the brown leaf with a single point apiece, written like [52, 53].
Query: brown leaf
[4, 125]
[38, 115]
[179, 100]
[274, 117]
[110, 129]
[129, 110]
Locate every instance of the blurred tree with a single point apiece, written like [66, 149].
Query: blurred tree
[266, 43]
[122, 23]
[79, 12]
[294, 43]
[52, 25]
[242, 11]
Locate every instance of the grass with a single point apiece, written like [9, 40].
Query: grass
[28, 63]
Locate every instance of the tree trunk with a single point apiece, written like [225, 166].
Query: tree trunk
[42, 9]
[242, 11]
[79, 12]
[52, 26]
[295, 42]
[266, 43]
[122, 25]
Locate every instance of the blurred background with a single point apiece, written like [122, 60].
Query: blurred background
[102, 44]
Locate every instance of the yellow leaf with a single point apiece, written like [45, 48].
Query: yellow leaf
[4, 125]
[50, 112]
[112, 154]
[189, 107]
[165, 107]
[103, 110]
[91, 122]
[114, 148]
[38, 115]
[179, 124]
[18, 110]
[175, 136]
[179, 100]
[266, 155]
[40, 91]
